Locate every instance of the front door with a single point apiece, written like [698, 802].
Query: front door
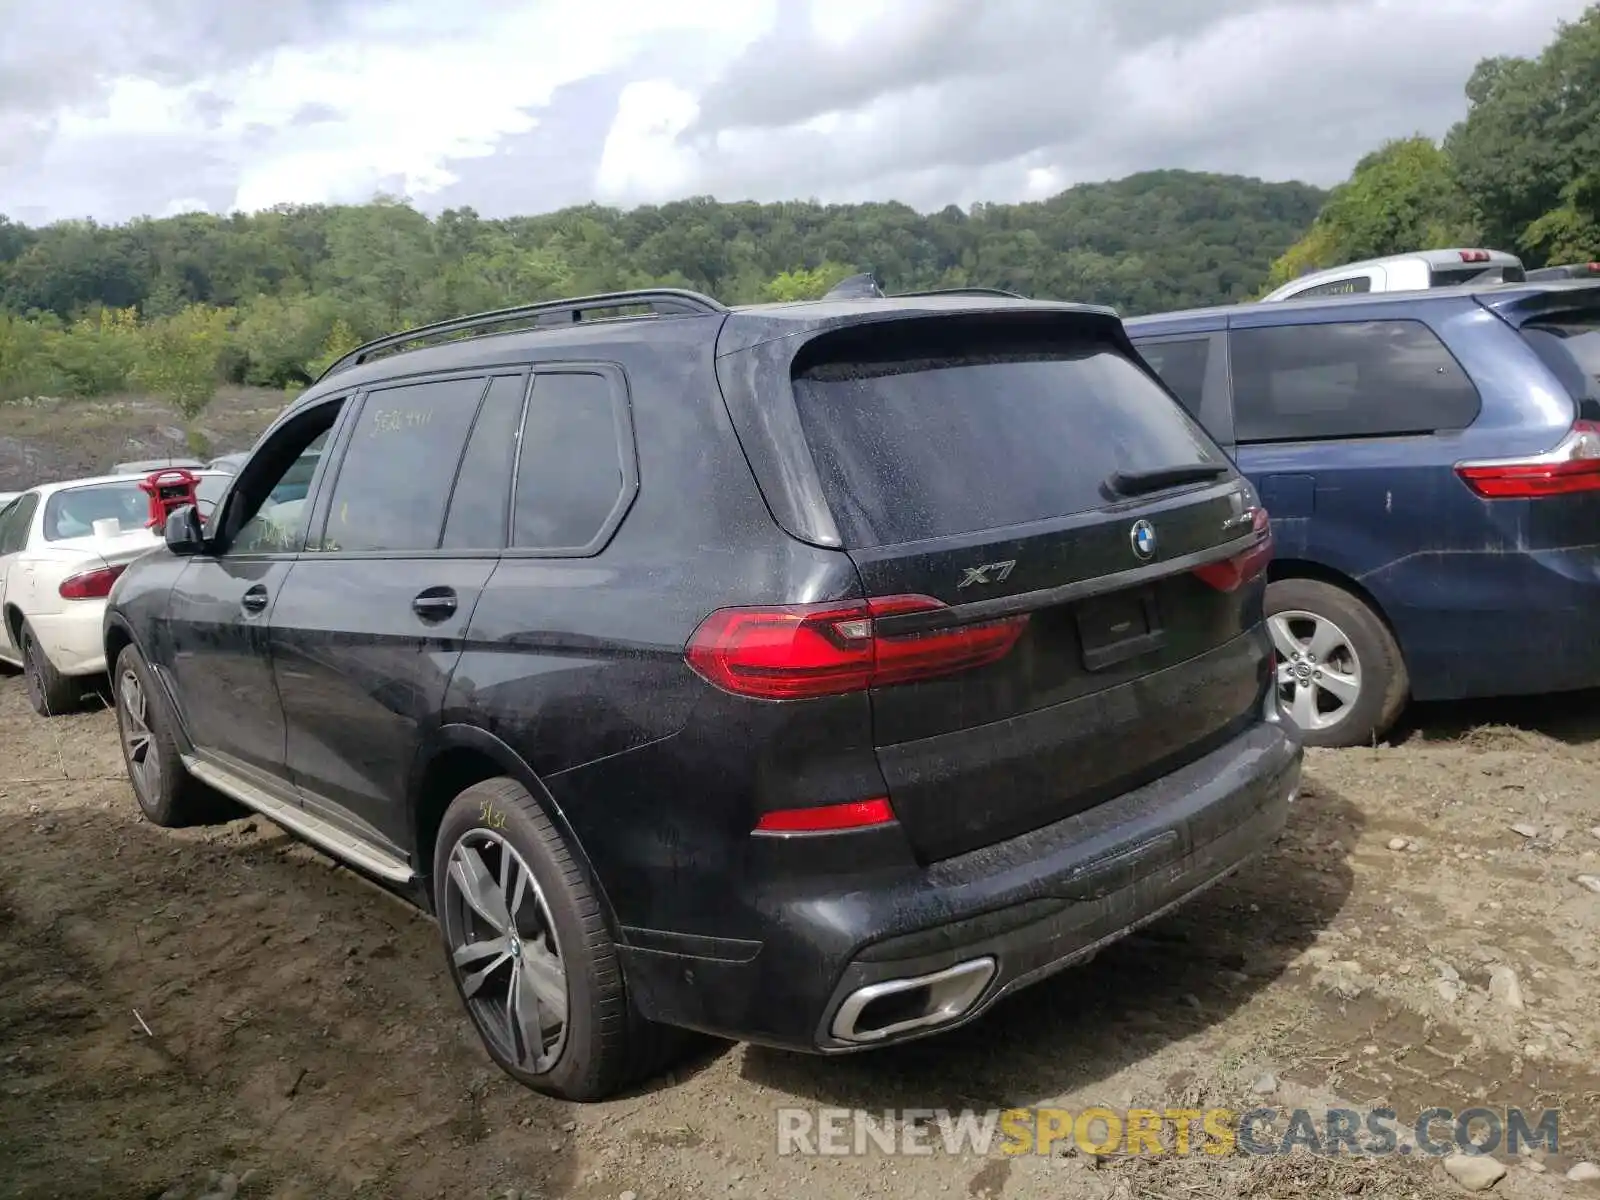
[219, 610]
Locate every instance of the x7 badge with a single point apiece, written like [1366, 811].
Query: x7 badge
[988, 573]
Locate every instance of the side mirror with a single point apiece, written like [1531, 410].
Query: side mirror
[183, 531]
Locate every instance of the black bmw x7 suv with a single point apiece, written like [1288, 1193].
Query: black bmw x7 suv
[814, 674]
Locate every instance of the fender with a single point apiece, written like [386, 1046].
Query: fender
[470, 737]
[180, 732]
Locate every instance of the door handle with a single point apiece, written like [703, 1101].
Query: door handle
[254, 600]
[434, 604]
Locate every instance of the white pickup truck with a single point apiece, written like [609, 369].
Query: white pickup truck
[1415, 272]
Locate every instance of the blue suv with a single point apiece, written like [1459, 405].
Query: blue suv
[1431, 464]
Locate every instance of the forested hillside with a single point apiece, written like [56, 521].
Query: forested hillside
[1521, 172]
[277, 291]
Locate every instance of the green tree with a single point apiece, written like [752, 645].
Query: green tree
[99, 352]
[1402, 196]
[1528, 152]
[277, 336]
[27, 361]
[341, 340]
[1570, 233]
[1161, 239]
[803, 283]
[182, 358]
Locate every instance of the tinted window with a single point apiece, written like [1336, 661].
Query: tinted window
[1337, 287]
[1348, 379]
[1182, 367]
[279, 525]
[72, 513]
[1455, 276]
[913, 445]
[14, 523]
[1571, 348]
[397, 470]
[570, 474]
[482, 495]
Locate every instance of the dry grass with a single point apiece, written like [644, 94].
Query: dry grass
[1288, 1177]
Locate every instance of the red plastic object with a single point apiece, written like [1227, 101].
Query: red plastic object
[169, 490]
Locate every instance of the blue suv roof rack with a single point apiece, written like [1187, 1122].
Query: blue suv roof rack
[661, 302]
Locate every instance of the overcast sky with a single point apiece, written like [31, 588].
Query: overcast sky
[115, 108]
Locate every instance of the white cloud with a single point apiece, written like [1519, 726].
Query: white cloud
[926, 101]
[642, 155]
[402, 103]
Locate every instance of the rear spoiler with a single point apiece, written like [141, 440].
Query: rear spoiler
[1519, 305]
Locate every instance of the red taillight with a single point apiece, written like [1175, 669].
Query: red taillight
[803, 650]
[1474, 256]
[90, 585]
[827, 818]
[1231, 574]
[1573, 466]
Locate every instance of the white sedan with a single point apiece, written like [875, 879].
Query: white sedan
[62, 546]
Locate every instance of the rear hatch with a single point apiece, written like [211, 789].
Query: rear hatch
[1021, 498]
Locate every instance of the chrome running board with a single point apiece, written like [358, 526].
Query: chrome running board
[322, 834]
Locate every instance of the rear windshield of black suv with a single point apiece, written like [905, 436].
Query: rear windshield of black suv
[919, 436]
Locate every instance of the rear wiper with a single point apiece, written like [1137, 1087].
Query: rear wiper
[1136, 483]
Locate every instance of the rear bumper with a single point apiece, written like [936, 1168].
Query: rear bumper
[1027, 907]
[71, 639]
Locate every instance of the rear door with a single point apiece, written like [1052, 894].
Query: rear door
[1025, 496]
[369, 626]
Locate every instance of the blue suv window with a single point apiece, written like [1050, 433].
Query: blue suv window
[1570, 346]
[1181, 363]
[1346, 379]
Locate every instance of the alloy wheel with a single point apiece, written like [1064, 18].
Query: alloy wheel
[1319, 674]
[138, 742]
[503, 947]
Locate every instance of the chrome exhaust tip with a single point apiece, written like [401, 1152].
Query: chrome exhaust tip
[896, 1006]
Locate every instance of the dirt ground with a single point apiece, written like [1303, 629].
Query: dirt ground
[223, 1012]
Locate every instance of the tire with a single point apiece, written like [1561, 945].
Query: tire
[602, 1045]
[167, 794]
[50, 692]
[1305, 616]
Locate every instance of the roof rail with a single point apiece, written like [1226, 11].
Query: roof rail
[662, 302]
[966, 291]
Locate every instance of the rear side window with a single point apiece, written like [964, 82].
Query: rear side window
[1182, 367]
[14, 522]
[1570, 347]
[1352, 286]
[920, 435]
[1346, 379]
[482, 497]
[1456, 276]
[575, 469]
[397, 471]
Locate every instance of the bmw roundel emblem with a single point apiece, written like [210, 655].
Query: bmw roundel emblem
[1143, 537]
